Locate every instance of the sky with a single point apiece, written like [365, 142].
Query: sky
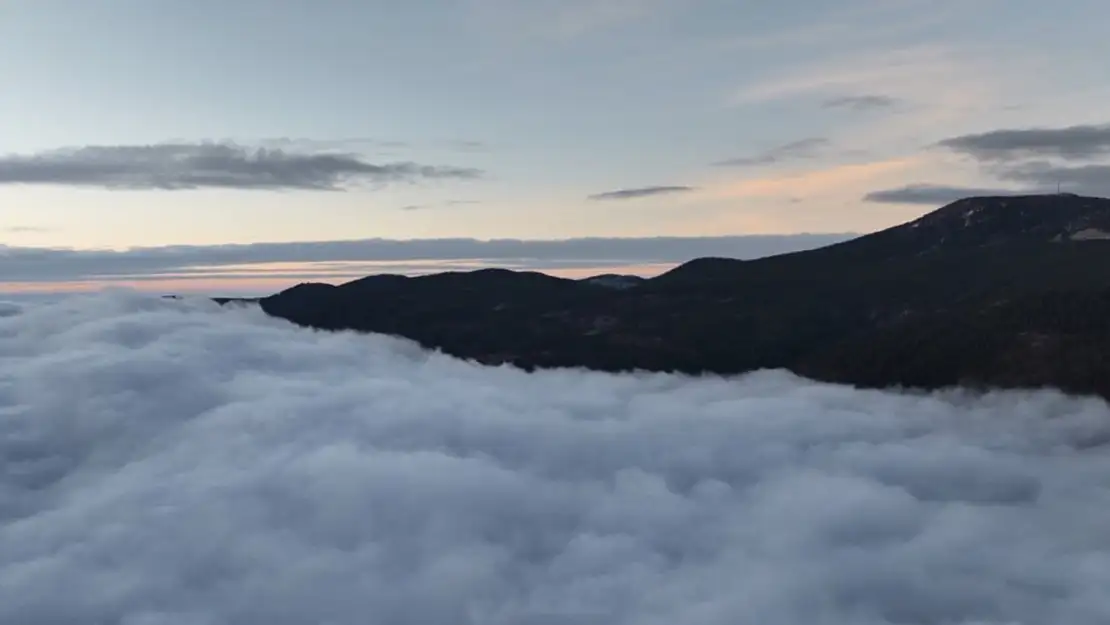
[177, 463]
[155, 123]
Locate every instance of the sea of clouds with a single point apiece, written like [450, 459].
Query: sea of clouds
[174, 463]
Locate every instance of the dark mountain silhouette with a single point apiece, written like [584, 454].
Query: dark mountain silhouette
[984, 292]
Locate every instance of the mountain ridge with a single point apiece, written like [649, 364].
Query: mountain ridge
[1010, 291]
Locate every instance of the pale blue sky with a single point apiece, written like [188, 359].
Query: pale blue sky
[552, 101]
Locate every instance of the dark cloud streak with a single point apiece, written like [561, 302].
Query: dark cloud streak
[176, 166]
[1091, 179]
[1069, 143]
[1031, 157]
[933, 195]
[642, 192]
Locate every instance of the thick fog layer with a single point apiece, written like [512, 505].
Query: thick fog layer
[168, 462]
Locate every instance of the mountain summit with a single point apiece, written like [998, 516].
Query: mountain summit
[999, 220]
[987, 291]
[960, 227]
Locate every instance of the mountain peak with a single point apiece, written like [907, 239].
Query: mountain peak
[975, 222]
[978, 221]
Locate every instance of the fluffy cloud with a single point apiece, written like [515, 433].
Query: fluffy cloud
[168, 462]
[36, 264]
[214, 165]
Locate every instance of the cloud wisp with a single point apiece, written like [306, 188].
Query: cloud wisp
[795, 150]
[560, 20]
[639, 193]
[326, 145]
[867, 102]
[415, 207]
[28, 229]
[175, 166]
[171, 462]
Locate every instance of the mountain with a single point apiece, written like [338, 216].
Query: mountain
[987, 291]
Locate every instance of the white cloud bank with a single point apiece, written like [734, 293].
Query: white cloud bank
[169, 463]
